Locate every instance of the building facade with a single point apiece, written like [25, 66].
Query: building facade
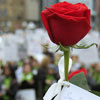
[32, 10]
[11, 9]
[17, 11]
[28, 10]
[11, 12]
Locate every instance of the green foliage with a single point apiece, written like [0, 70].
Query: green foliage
[80, 80]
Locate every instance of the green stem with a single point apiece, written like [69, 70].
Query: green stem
[66, 62]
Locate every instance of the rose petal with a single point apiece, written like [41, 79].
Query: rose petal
[67, 23]
[44, 15]
[68, 31]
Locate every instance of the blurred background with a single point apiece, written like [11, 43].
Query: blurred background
[27, 69]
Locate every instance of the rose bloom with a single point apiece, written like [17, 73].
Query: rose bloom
[66, 23]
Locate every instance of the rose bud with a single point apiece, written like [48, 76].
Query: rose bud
[66, 23]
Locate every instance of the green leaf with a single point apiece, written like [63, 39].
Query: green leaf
[84, 46]
[45, 46]
[96, 93]
[56, 48]
[80, 80]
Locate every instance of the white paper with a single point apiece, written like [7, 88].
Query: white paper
[76, 93]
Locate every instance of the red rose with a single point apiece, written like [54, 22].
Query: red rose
[77, 72]
[66, 23]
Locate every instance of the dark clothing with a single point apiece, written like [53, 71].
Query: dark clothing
[42, 73]
[26, 85]
[13, 69]
[26, 79]
[13, 90]
[11, 86]
[96, 88]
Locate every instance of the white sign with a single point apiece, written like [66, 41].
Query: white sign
[76, 93]
[10, 48]
[1, 48]
[26, 94]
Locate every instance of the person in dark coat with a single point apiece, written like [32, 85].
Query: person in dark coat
[42, 73]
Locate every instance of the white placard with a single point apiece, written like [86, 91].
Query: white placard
[76, 93]
[27, 94]
[1, 48]
[10, 48]
[34, 41]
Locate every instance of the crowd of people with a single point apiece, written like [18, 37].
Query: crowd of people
[27, 74]
[30, 74]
